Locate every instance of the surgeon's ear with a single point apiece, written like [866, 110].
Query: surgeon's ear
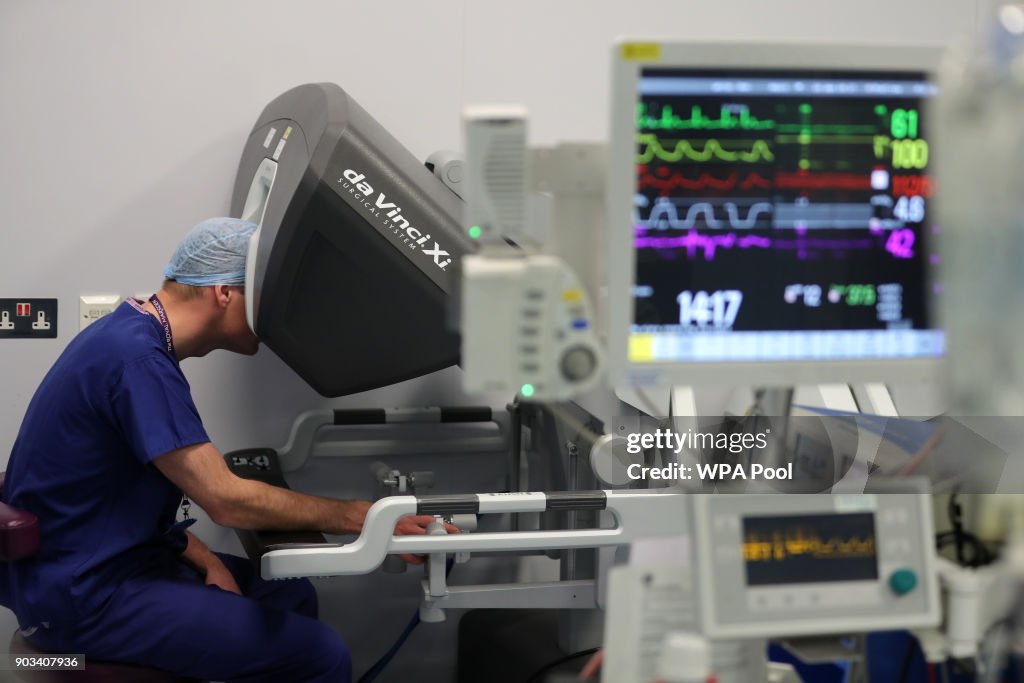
[222, 294]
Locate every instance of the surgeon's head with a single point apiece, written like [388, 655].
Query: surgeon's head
[207, 274]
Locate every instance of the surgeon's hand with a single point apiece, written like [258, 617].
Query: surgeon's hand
[218, 575]
[414, 525]
[207, 564]
[593, 666]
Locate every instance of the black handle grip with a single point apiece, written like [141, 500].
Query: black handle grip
[379, 416]
[360, 416]
[577, 500]
[447, 505]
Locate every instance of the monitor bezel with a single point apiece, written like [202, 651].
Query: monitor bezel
[629, 57]
[814, 620]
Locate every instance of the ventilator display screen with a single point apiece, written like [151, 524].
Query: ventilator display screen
[798, 549]
[782, 215]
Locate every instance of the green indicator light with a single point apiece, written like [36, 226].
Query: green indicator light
[805, 138]
[475, 232]
[804, 164]
[881, 110]
[805, 108]
[527, 390]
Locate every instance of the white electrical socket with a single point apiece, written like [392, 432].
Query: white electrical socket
[92, 308]
[41, 322]
[5, 321]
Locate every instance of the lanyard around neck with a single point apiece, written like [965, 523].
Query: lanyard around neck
[161, 313]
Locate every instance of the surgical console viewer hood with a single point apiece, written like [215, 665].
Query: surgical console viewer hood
[349, 273]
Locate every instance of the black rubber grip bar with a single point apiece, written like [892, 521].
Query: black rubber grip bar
[448, 505]
[577, 500]
[379, 416]
[360, 416]
[466, 414]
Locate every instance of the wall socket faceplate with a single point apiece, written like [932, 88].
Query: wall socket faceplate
[92, 308]
[28, 318]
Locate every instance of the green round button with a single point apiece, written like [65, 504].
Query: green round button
[903, 581]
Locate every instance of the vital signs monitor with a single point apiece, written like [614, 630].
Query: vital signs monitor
[770, 214]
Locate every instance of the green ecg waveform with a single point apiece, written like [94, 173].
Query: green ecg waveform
[726, 120]
[760, 151]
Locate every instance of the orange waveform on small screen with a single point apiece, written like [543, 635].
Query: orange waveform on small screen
[780, 546]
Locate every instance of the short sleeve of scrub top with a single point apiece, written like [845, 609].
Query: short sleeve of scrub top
[154, 408]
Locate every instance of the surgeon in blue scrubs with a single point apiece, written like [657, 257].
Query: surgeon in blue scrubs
[109, 444]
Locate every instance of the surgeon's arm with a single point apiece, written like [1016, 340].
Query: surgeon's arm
[232, 501]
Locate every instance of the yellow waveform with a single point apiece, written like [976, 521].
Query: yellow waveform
[712, 148]
[779, 547]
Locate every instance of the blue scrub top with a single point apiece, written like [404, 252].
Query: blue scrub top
[114, 400]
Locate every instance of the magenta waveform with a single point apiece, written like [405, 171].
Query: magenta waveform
[694, 242]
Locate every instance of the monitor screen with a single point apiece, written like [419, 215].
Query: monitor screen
[780, 213]
[795, 549]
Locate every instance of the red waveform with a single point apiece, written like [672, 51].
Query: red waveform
[909, 185]
[663, 180]
[755, 180]
[821, 181]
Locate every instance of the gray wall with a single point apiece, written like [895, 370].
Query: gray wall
[122, 122]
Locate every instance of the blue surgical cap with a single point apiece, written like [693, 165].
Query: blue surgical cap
[212, 253]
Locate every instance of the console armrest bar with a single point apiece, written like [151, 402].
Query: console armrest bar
[638, 515]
